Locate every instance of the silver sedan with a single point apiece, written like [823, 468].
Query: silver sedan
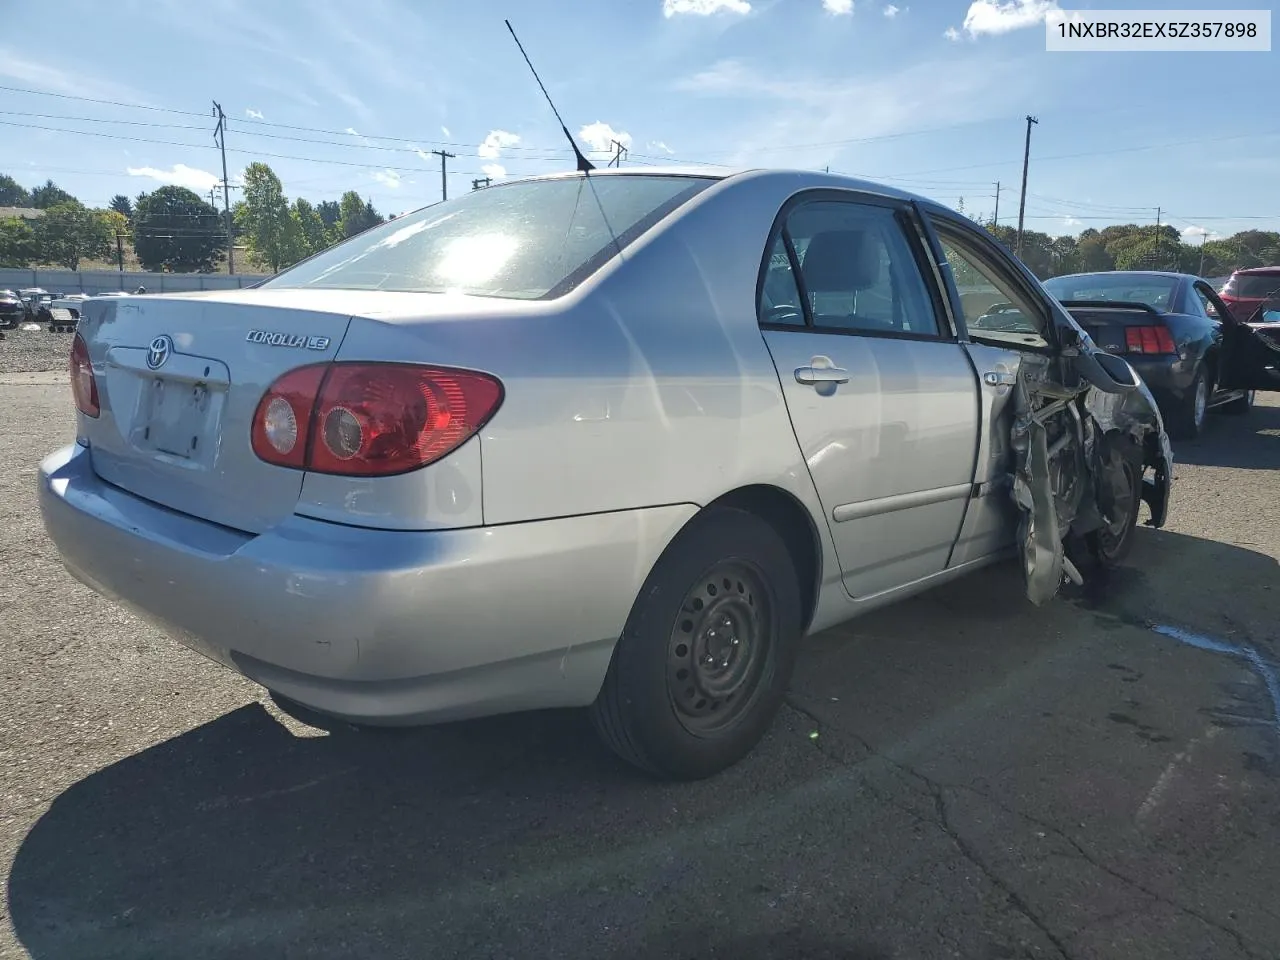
[613, 440]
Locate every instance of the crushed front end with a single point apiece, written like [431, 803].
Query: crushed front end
[1078, 450]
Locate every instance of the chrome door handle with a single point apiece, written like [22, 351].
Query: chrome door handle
[815, 375]
[993, 379]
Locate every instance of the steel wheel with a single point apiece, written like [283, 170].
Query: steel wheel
[1113, 537]
[719, 647]
[703, 662]
[1201, 406]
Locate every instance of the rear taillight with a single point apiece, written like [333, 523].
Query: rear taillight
[83, 386]
[371, 419]
[1154, 339]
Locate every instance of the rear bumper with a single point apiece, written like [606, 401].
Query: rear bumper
[369, 625]
[1169, 378]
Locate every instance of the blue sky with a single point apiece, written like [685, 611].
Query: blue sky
[929, 96]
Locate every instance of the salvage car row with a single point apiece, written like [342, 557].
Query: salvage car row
[618, 440]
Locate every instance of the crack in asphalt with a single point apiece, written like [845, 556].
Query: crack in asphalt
[936, 790]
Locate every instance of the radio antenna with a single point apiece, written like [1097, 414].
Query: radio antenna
[584, 165]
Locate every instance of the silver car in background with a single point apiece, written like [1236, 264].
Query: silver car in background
[615, 440]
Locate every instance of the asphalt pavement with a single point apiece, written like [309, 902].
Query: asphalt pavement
[962, 775]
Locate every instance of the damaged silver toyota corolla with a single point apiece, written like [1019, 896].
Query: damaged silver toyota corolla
[606, 439]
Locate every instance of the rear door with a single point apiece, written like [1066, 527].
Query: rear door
[1251, 351]
[1004, 324]
[882, 398]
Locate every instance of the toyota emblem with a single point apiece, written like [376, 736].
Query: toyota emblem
[159, 352]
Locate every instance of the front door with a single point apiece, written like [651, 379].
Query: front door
[881, 396]
[1250, 351]
[1003, 326]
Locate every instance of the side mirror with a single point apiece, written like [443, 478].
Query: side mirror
[1107, 372]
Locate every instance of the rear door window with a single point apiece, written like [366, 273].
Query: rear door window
[857, 273]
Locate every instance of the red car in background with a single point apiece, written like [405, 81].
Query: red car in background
[1251, 292]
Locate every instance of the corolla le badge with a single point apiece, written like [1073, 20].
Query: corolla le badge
[273, 339]
[159, 352]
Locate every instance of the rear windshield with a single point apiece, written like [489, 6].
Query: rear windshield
[526, 240]
[1156, 292]
[1253, 286]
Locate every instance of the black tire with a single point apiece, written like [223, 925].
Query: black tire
[1109, 546]
[704, 661]
[1187, 417]
[1240, 405]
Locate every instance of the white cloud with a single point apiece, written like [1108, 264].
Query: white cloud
[1071, 222]
[496, 142]
[952, 34]
[445, 131]
[838, 7]
[891, 11]
[357, 135]
[1198, 233]
[801, 106]
[994, 17]
[495, 170]
[422, 154]
[599, 136]
[388, 178]
[252, 114]
[703, 8]
[179, 176]
[659, 145]
[42, 74]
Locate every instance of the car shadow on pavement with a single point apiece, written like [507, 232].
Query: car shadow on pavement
[241, 839]
[1251, 441]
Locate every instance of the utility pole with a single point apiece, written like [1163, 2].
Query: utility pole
[1203, 238]
[1159, 245]
[1026, 160]
[618, 151]
[120, 251]
[220, 135]
[995, 220]
[444, 185]
[475, 184]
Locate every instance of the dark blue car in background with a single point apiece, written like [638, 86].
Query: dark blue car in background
[1175, 330]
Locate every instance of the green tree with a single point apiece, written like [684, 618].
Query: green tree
[330, 212]
[356, 215]
[273, 234]
[12, 193]
[315, 236]
[122, 205]
[18, 247]
[50, 195]
[1092, 255]
[175, 230]
[70, 232]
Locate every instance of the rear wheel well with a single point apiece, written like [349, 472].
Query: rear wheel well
[792, 521]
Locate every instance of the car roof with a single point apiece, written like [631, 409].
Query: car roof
[1162, 274]
[1260, 271]
[807, 178]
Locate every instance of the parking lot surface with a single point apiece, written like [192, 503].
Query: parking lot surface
[963, 775]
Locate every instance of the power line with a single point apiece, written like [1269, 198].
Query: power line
[109, 103]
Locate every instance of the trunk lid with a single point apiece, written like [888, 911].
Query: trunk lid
[179, 379]
[1106, 322]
